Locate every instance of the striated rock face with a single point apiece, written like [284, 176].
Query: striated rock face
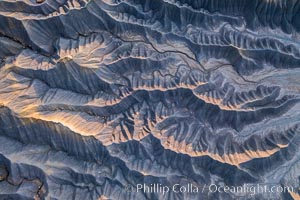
[97, 96]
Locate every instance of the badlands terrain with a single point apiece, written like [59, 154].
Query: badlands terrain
[97, 96]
